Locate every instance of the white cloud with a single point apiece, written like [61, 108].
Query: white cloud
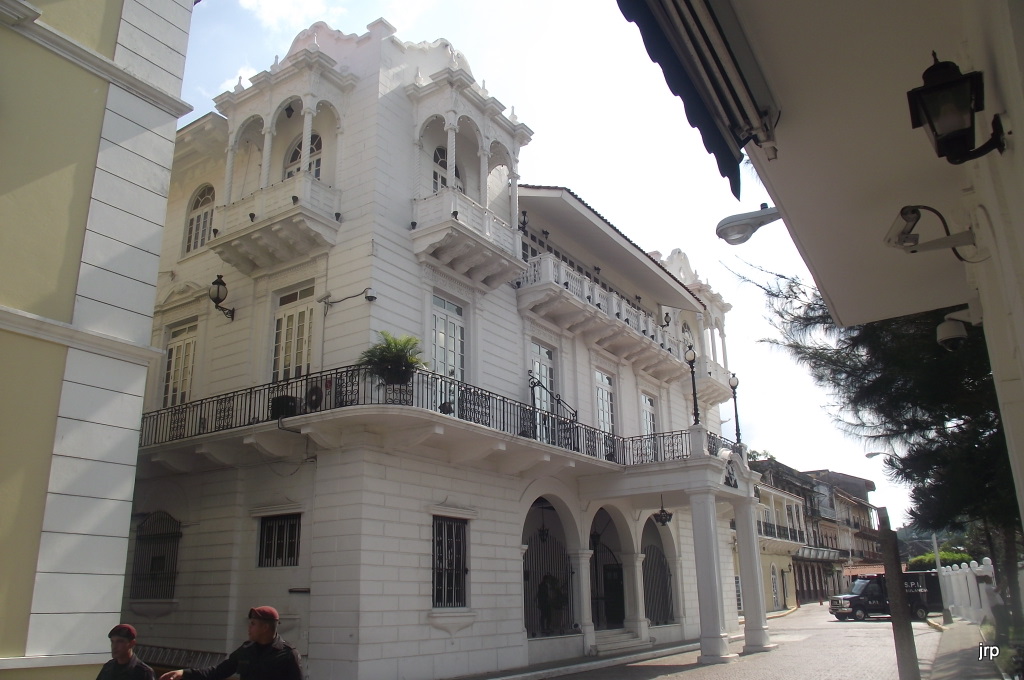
[290, 18]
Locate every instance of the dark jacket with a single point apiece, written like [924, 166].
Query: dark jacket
[276, 661]
[135, 669]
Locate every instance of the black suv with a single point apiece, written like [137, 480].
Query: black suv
[869, 596]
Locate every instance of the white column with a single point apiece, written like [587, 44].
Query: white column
[485, 157]
[714, 641]
[514, 207]
[636, 608]
[268, 145]
[229, 171]
[755, 626]
[584, 616]
[307, 136]
[452, 128]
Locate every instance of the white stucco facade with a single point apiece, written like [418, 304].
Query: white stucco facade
[554, 421]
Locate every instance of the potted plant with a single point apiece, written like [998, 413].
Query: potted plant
[393, 359]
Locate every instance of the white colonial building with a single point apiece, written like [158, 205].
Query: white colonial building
[501, 508]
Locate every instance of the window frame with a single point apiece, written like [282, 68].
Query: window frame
[279, 553]
[200, 207]
[449, 587]
[164, 542]
[300, 361]
[293, 161]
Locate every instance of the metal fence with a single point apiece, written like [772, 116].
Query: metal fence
[353, 386]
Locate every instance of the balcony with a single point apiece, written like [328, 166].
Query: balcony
[552, 290]
[206, 424]
[457, 233]
[285, 222]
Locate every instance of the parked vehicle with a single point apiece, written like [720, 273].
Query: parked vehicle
[869, 596]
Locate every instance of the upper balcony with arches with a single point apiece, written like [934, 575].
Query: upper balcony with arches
[280, 200]
[466, 193]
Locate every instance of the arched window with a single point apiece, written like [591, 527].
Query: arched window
[155, 566]
[294, 166]
[441, 179]
[200, 219]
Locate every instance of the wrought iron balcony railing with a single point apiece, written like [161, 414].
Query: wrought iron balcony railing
[771, 530]
[354, 386]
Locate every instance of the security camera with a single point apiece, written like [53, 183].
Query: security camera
[370, 295]
[324, 298]
[951, 334]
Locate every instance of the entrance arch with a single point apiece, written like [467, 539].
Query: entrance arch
[548, 582]
[607, 577]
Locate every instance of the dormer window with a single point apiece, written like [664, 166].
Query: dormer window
[441, 178]
[294, 165]
[200, 219]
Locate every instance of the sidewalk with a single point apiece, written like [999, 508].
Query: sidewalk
[957, 655]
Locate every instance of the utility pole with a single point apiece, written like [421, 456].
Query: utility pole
[947, 616]
[902, 630]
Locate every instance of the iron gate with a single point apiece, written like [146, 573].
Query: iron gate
[547, 589]
[657, 586]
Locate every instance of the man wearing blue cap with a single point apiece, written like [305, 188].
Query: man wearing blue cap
[123, 664]
[264, 657]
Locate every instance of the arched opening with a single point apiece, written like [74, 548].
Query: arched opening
[607, 579]
[293, 162]
[547, 574]
[657, 577]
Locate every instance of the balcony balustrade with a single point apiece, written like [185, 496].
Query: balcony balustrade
[553, 290]
[282, 223]
[771, 530]
[354, 386]
[454, 231]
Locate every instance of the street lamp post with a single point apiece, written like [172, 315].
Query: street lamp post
[734, 382]
[691, 357]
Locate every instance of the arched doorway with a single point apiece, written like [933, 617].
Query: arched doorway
[657, 578]
[547, 574]
[607, 580]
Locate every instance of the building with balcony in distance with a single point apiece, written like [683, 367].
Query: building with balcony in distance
[826, 548]
[91, 96]
[539, 492]
[856, 520]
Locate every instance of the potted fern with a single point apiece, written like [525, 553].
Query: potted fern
[393, 359]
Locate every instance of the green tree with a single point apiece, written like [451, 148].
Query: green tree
[895, 385]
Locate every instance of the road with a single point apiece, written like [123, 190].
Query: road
[812, 646]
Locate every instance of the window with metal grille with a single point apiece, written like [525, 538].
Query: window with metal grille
[156, 557]
[739, 594]
[279, 541]
[450, 562]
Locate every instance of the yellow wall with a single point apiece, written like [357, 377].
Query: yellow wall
[50, 139]
[31, 372]
[56, 673]
[91, 23]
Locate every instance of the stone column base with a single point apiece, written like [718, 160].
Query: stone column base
[752, 649]
[726, 658]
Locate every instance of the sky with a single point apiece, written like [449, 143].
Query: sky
[607, 127]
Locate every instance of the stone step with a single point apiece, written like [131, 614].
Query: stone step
[618, 641]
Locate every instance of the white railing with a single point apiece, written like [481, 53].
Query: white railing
[276, 199]
[448, 202]
[547, 268]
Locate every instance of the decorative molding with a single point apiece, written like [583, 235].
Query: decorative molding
[19, 17]
[449, 284]
[271, 510]
[293, 275]
[453, 511]
[451, 621]
[60, 333]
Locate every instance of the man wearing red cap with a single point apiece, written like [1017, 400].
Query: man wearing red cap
[264, 657]
[123, 664]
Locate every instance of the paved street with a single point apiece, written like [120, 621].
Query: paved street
[812, 646]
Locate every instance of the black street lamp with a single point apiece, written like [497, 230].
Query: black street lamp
[734, 382]
[219, 293]
[691, 357]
